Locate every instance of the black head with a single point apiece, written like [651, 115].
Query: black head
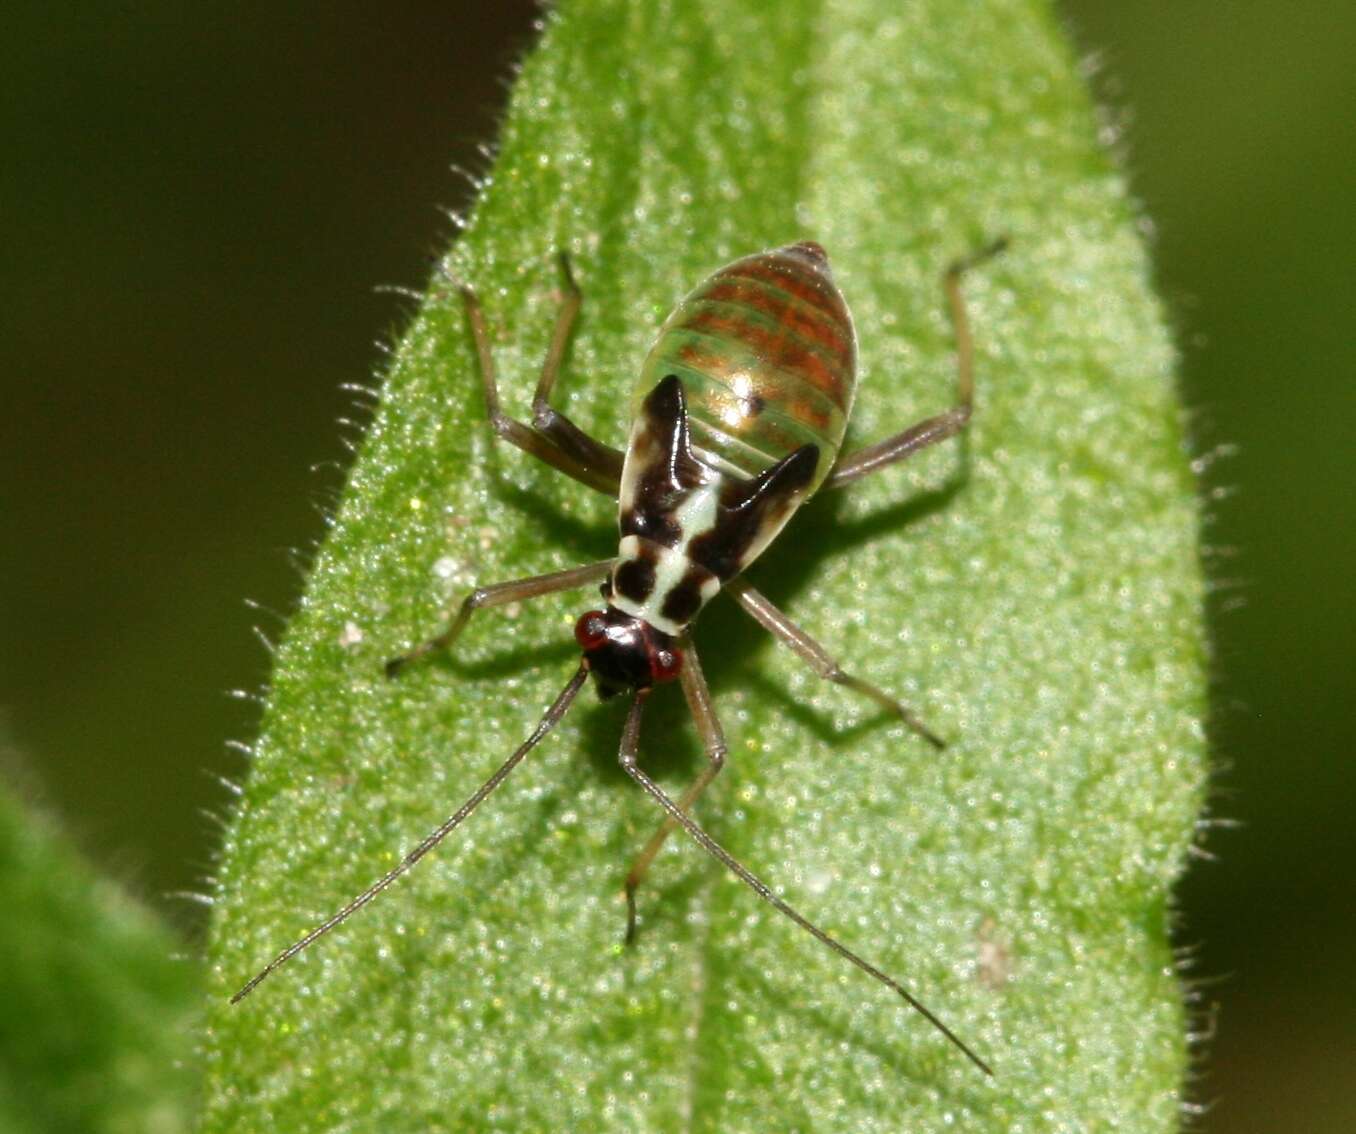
[624, 652]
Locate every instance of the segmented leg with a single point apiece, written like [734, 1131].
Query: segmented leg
[569, 437]
[944, 425]
[819, 659]
[713, 740]
[630, 745]
[497, 595]
[580, 457]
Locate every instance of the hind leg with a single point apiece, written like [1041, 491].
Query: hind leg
[947, 424]
[554, 439]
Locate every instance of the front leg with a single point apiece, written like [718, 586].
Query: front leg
[627, 756]
[948, 424]
[713, 740]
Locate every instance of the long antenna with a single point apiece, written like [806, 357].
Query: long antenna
[553, 715]
[630, 746]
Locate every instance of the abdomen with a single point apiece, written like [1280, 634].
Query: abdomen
[767, 355]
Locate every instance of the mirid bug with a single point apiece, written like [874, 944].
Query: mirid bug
[738, 416]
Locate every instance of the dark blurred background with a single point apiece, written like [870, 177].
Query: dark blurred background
[197, 203]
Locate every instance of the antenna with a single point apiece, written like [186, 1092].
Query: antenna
[629, 747]
[558, 709]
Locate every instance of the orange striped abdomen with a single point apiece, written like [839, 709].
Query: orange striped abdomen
[767, 355]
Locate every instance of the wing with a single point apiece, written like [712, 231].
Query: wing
[669, 497]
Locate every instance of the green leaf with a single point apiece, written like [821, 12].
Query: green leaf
[94, 1003]
[1040, 602]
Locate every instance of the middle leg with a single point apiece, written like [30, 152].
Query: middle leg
[821, 661]
[497, 594]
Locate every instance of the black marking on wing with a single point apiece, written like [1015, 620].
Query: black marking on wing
[746, 506]
[668, 471]
[685, 599]
[634, 578]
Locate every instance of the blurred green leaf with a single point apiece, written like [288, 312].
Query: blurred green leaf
[1039, 601]
[93, 1002]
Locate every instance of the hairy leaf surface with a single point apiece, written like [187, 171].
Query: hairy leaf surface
[1034, 592]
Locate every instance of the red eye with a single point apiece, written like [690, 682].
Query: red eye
[665, 665]
[590, 631]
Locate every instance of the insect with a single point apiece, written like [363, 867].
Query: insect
[738, 416]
